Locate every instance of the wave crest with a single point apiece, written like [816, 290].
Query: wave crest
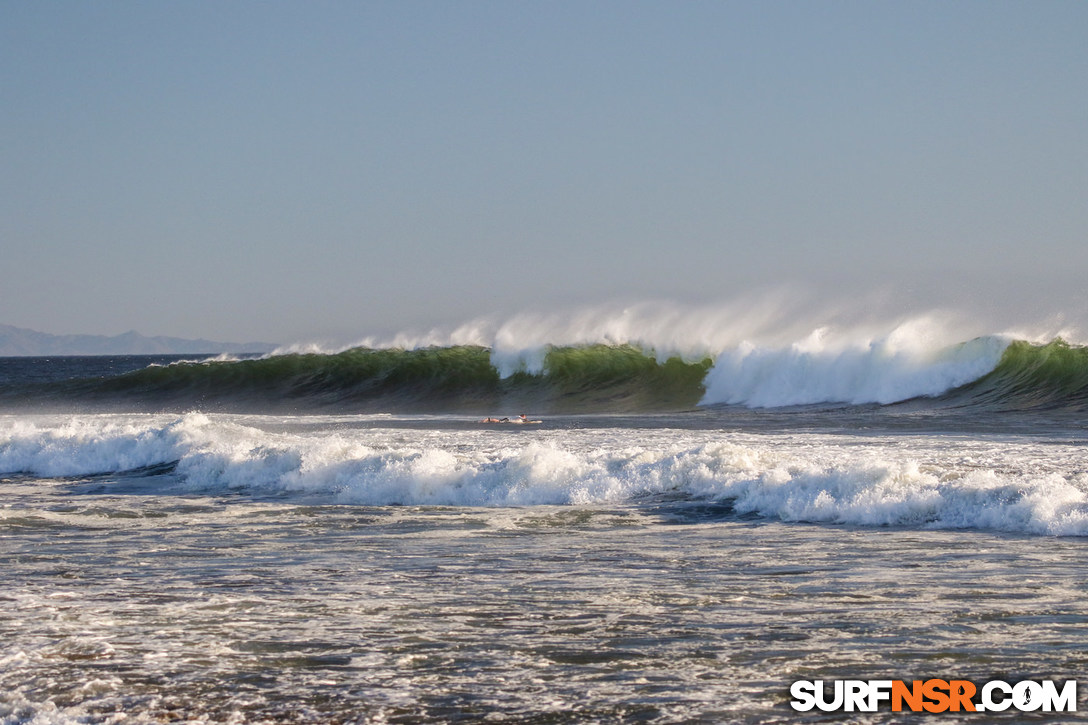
[1022, 486]
[914, 361]
[886, 370]
[452, 379]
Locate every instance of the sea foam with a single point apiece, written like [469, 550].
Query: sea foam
[919, 482]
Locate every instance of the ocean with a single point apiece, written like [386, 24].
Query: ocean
[337, 537]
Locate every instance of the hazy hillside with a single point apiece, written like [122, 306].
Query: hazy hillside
[17, 341]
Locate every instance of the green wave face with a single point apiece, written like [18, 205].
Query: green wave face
[463, 379]
[1033, 377]
[621, 379]
[597, 378]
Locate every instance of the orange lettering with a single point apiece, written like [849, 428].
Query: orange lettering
[961, 692]
[912, 696]
[932, 689]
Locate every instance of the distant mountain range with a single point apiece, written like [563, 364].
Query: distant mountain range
[17, 341]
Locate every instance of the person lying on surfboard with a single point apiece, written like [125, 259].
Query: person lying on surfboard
[522, 418]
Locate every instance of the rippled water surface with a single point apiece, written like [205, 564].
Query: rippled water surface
[128, 598]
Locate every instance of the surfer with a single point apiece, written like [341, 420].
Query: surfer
[524, 419]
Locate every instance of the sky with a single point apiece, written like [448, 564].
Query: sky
[291, 171]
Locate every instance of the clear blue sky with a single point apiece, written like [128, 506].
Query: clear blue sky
[283, 171]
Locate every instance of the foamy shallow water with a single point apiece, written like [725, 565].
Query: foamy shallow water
[257, 569]
[1017, 483]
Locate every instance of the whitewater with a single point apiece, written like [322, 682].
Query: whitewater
[1015, 484]
[714, 505]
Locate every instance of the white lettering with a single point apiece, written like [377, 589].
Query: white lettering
[987, 697]
[835, 703]
[1066, 701]
[1027, 696]
[804, 695]
[879, 690]
[854, 696]
[993, 696]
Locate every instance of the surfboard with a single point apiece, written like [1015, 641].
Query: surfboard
[511, 421]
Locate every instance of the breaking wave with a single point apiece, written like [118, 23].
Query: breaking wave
[907, 364]
[1032, 377]
[451, 379]
[1024, 486]
[887, 370]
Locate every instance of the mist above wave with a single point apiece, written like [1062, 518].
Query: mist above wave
[649, 357]
[780, 351]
